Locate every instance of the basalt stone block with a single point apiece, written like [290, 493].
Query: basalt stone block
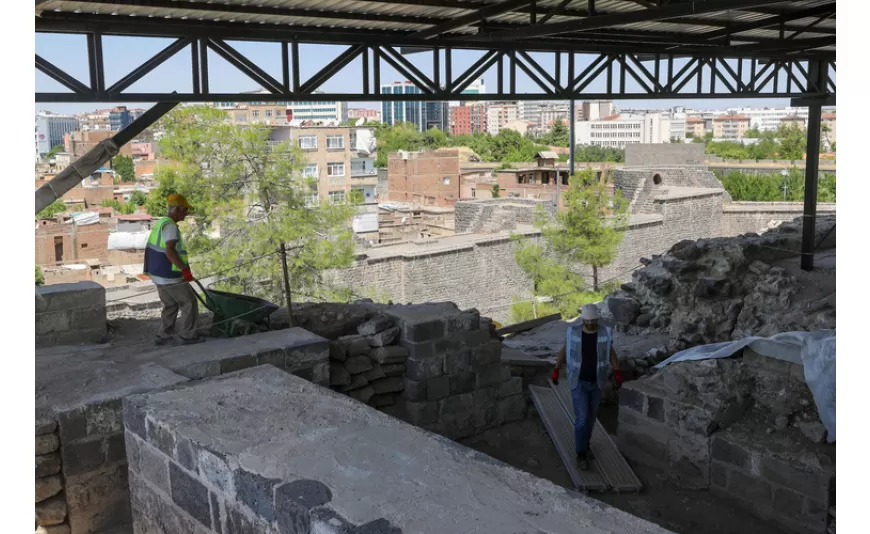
[338, 376]
[190, 495]
[358, 364]
[134, 417]
[750, 488]
[355, 345]
[160, 437]
[393, 384]
[47, 464]
[513, 386]
[382, 339]
[437, 388]
[45, 425]
[374, 325]
[375, 372]
[48, 487]
[813, 484]
[492, 375]
[729, 453]
[456, 362]
[414, 390]
[256, 492]
[46, 443]
[464, 382]
[356, 382]
[51, 511]
[457, 404]
[82, 456]
[424, 331]
[382, 401]
[512, 408]
[422, 413]
[393, 369]
[237, 363]
[337, 351]
[463, 322]
[362, 394]
[424, 368]
[394, 354]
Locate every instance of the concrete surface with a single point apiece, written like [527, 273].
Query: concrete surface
[70, 314]
[277, 428]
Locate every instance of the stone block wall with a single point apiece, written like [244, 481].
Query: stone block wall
[693, 217]
[51, 511]
[455, 383]
[758, 217]
[70, 314]
[472, 215]
[792, 495]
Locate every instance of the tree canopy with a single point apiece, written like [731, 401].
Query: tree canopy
[255, 194]
[123, 167]
[586, 232]
[56, 207]
[786, 142]
[768, 187]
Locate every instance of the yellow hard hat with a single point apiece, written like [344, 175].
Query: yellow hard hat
[178, 201]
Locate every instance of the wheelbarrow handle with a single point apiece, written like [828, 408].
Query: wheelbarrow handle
[203, 292]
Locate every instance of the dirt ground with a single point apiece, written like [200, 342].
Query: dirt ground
[527, 446]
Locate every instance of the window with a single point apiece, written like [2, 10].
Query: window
[335, 169]
[336, 197]
[310, 170]
[268, 113]
[308, 142]
[353, 140]
[311, 200]
[255, 113]
[446, 180]
[334, 142]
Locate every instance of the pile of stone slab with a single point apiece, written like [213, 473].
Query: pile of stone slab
[51, 509]
[369, 366]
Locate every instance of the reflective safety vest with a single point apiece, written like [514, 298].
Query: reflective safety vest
[574, 354]
[156, 261]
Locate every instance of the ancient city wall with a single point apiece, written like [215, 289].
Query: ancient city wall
[470, 215]
[756, 217]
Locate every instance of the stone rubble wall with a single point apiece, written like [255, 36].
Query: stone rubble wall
[70, 314]
[745, 427]
[758, 217]
[51, 509]
[471, 216]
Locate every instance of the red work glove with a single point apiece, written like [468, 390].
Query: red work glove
[555, 376]
[188, 276]
[617, 376]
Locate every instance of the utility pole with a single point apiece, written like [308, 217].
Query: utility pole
[283, 251]
[784, 184]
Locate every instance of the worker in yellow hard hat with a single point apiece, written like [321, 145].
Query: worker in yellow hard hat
[166, 264]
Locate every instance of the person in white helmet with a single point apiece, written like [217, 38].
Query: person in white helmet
[590, 355]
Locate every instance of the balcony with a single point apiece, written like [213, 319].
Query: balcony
[360, 168]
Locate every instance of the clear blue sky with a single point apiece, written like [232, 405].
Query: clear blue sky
[122, 54]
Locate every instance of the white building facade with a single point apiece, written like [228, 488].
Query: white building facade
[624, 130]
[50, 129]
[498, 115]
[767, 119]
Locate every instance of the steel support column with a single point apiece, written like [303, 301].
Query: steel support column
[97, 156]
[811, 185]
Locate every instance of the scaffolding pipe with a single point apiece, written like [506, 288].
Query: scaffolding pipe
[96, 157]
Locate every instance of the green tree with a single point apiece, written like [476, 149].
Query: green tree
[586, 232]
[256, 194]
[138, 198]
[496, 191]
[557, 136]
[123, 167]
[111, 203]
[49, 212]
[773, 187]
[402, 136]
[793, 142]
[40, 279]
[434, 138]
[55, 150]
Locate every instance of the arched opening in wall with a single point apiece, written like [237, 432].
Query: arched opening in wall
[657, 179]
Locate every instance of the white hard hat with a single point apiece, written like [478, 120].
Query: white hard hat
[590, 312]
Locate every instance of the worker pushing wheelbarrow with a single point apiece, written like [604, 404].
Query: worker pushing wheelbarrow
[166, 263]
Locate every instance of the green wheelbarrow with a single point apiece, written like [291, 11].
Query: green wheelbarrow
[236, 315]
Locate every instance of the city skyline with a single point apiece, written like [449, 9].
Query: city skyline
[67, 52]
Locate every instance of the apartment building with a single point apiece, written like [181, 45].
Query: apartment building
[617, 131]
[829, 120]
[281, 112]
[363, 113]
[119, 118]
[794, 121]
[696, 127]
[597, 110]
[468, 119]
[79, 143]
[423, 115]
[731, 126]
[499, 114]
[50, 130]
[426, 178]
[341, 159]
[768, 119]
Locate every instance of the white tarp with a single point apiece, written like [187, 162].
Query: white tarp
[84, 219]
[365, 222]
[365, 141]
[128, 240]
[816, 351]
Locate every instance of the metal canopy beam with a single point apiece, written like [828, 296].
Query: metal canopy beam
[475, 16]
[826, 9]
[645, 15]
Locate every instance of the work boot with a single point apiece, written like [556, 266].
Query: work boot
[192, 340]
[163, 341]
[582, 461]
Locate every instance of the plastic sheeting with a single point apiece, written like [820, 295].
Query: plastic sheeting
[128, 240]
[85, 219]
[365, 141]
[816, 351]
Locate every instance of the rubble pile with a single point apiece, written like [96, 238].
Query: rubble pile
[721, 289]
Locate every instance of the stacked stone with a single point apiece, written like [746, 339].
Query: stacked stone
[369, 365]
[644, 364]
[51, 512]
[456, 384]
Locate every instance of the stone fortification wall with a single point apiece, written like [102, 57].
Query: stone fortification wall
[758, 217]
[284, 455]
[746, 428]
[473, 215]
[646, 154]
[50, 499]
[642, 185]
[474, 271]
[70, 314]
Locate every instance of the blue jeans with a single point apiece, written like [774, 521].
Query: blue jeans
[587, 397]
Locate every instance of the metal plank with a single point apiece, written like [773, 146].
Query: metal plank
[614, 468]
[562, 433]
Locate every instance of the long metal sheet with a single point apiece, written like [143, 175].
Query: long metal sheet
[562, 432]
[614, 468]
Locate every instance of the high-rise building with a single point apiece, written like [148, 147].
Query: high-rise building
[597, 109]
[51, 128]
[731, 126]
[423, 115]
[119, 118]
[499, 114]
[768, 119]
[326, 111]
[468, 119]
[477, 87]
